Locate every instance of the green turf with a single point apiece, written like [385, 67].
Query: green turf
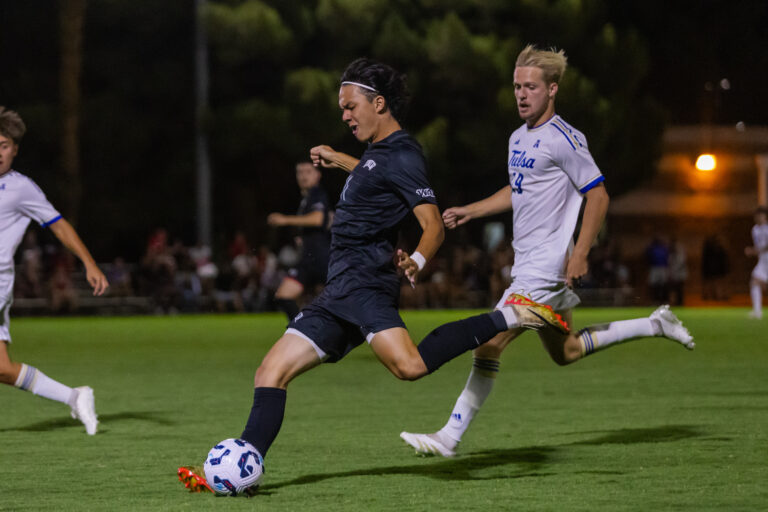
[644, 426]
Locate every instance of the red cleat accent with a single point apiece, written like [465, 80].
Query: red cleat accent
[193, 480]
[543, 311]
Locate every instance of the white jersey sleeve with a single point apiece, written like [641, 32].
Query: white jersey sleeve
[34, 204]
[575, 159]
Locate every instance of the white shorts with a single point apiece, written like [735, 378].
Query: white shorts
[6, 299]
[551, 293]
[760, 272]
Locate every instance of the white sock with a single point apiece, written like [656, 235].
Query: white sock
[756, 291]
[599, 337]
[32, 379]
[478, 387]
[510, 317]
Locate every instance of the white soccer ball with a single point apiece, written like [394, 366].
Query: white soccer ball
[234, 467]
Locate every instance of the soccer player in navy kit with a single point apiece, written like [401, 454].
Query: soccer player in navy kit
[360, 299]
[312, 218]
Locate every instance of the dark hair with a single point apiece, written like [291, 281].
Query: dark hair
[11, 125]
[762, 209]
[386, 80]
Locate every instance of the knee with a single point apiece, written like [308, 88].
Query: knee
[570, 353]
[408, 369]
[8, 373]
[560, 359]
[268, 376]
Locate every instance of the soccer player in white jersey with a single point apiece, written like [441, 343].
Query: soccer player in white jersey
[550, 172]
[759, 248]
[20, 201]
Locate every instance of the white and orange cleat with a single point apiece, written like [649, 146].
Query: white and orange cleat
[193, 479]
[533, 315]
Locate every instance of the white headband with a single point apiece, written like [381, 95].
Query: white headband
[360, 85]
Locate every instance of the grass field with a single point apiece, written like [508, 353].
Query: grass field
[644, 426]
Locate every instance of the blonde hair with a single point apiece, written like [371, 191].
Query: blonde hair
[552, 62]
[11, 125]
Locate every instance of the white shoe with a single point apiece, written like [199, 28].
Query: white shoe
[84, 409]
[757, 315]
[427, 444]
[672, 327]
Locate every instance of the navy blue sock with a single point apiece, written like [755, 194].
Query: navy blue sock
[455, 338]
[287, 306]
[265, 419]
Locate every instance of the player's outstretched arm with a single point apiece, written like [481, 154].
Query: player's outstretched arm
[310, 220]
[432, 237]
[594, 215]
[499, 202]
[68, 236]
[326, 156]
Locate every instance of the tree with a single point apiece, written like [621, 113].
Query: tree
[71, 20]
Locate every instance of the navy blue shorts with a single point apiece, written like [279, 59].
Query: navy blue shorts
[339, 320]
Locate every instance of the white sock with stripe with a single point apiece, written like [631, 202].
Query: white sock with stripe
[599, 337]
[32, 379]
[478, 387]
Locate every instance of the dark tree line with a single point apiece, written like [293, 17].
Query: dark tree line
[274, 83]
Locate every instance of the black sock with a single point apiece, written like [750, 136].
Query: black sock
[287, 306]
[455, 338]
[265, 419]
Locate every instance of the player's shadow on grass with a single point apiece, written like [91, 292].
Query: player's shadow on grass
[104, 421]
[525, 462]
[666, 434]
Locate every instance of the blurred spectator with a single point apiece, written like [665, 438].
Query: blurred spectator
[714, 269]
[268, 271]
[226, 296]
[288, 256]
[238, 246]
[206, 270]
[63, 293]
[493, 236]
[29, 282]
[158, 271]
[678, 272]
[119, 277]
[657, 257]
[501, 267]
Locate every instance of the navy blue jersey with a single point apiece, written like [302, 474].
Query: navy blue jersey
[387, 183]
[315, 240]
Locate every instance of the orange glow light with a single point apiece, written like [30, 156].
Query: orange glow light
[706, 162]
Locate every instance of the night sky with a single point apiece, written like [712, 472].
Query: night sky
[693, 44]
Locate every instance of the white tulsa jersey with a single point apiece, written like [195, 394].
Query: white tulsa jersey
[20, 200]
[550, 168]
[760, 241]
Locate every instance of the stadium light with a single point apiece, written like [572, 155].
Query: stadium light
[706, 162]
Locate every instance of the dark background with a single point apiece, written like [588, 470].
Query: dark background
[634, 68]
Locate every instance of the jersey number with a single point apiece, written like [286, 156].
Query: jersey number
[517, 182]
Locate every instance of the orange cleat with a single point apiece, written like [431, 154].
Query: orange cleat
[194, 479]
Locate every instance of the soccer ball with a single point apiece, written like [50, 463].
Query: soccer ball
[234, 467]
